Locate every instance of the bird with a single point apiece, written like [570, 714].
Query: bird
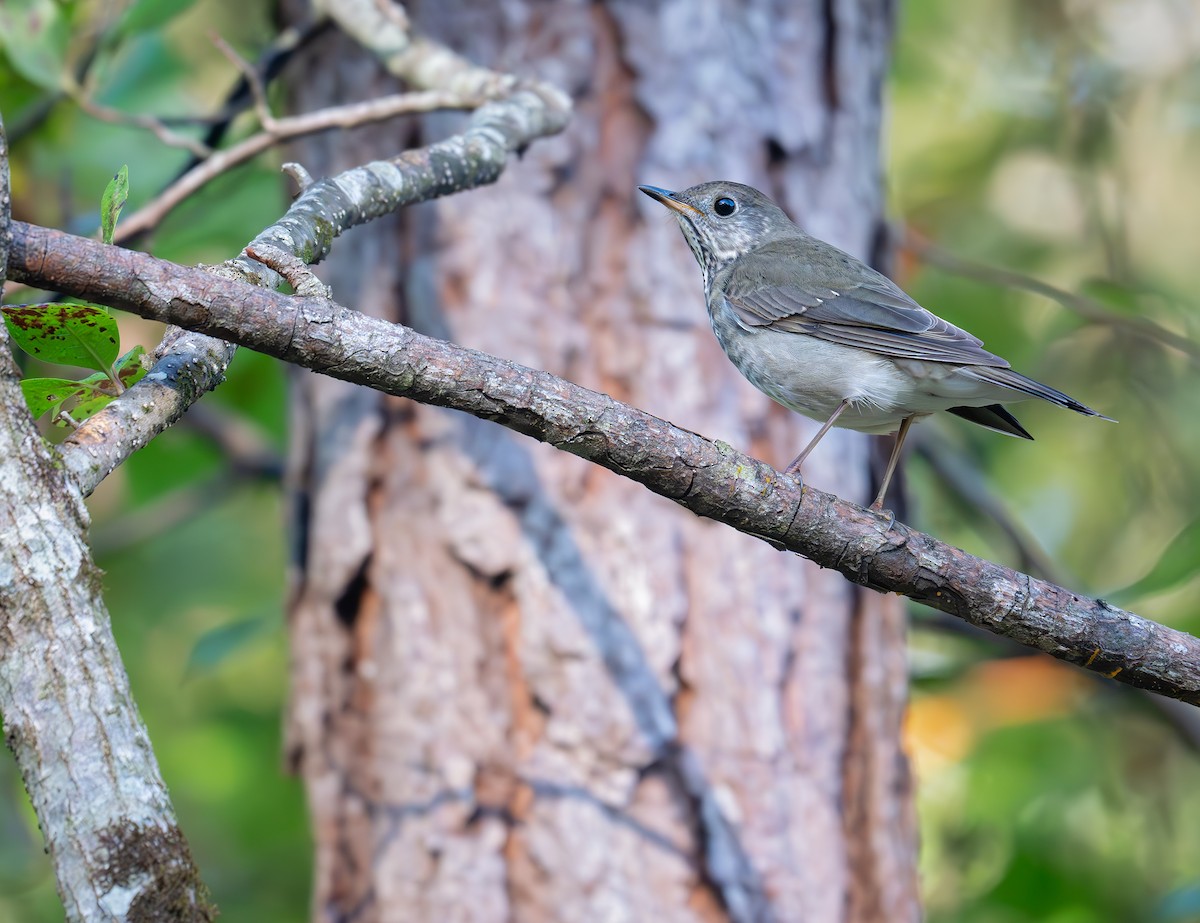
[827, 336]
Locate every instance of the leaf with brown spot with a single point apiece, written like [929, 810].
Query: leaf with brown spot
[93, 402]
[68, 334]
[130, 368]
[93, 393]
[47, 395]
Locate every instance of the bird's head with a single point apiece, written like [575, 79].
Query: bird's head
[723, 220]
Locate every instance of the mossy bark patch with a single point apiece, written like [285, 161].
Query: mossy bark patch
[158, 862]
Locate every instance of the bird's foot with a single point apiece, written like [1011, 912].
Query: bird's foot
[877, 507]
[793, 471]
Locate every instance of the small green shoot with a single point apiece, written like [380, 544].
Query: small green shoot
[116, 193]
[77, 334]
[87, 396]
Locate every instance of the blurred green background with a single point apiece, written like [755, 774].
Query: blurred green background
[1054, 142]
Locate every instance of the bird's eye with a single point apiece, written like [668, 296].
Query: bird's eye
[724, 206]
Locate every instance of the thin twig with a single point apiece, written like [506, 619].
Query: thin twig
[970, 487]
[261, 107]
[149, 123]
[1087, 308]
[376, 110]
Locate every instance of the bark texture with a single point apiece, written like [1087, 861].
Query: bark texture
[68, 715]
[708, 477]
[522, 688]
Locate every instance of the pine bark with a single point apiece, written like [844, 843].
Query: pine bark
[523, 688]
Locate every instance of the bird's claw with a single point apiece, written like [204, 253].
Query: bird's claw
[877, 507]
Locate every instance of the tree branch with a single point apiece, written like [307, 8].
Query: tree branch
[709, 478]
[188, 366]
[375, 110]
[147, 122]
[69, 716]
[1088, 308]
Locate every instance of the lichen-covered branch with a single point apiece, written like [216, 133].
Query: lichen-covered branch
[189, 366]
[186, 366]
[711, 479]
[5, 209]
[476, 157]
[69, 717]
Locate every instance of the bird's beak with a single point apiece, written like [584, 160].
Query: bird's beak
[667, 198]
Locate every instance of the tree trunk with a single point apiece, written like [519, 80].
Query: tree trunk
[524, 688]
[67, 710]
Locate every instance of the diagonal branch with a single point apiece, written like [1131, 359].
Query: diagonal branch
[188, 366]
[148, 122]
[279, 130]
[1088, 308]
[709, 478]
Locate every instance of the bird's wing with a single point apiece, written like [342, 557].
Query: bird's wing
[871, 313]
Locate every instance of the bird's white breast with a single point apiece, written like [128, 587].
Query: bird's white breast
[812, 376]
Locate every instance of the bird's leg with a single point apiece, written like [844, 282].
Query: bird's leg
[799, 460]
[891, 465]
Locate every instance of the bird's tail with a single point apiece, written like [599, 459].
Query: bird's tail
[1015, 381]
[994, 417]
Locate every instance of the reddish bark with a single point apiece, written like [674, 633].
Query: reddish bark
[523, 688]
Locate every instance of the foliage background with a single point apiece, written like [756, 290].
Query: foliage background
[1055, 140]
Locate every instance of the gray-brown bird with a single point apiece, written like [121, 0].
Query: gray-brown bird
[827, 336]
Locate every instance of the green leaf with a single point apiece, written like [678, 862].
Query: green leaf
[129, 367]
[148, 15]
[34, 34]
[47, 395]
[1177, 564]
[69, 334]
[116, 193]
[87, 406]
[93, 393]
[219, 644]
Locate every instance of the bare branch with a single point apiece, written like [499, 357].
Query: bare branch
[711, 479]
[147, 122]
[422, 63]
[259, 92]
[376, 110]
[1087, 308]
